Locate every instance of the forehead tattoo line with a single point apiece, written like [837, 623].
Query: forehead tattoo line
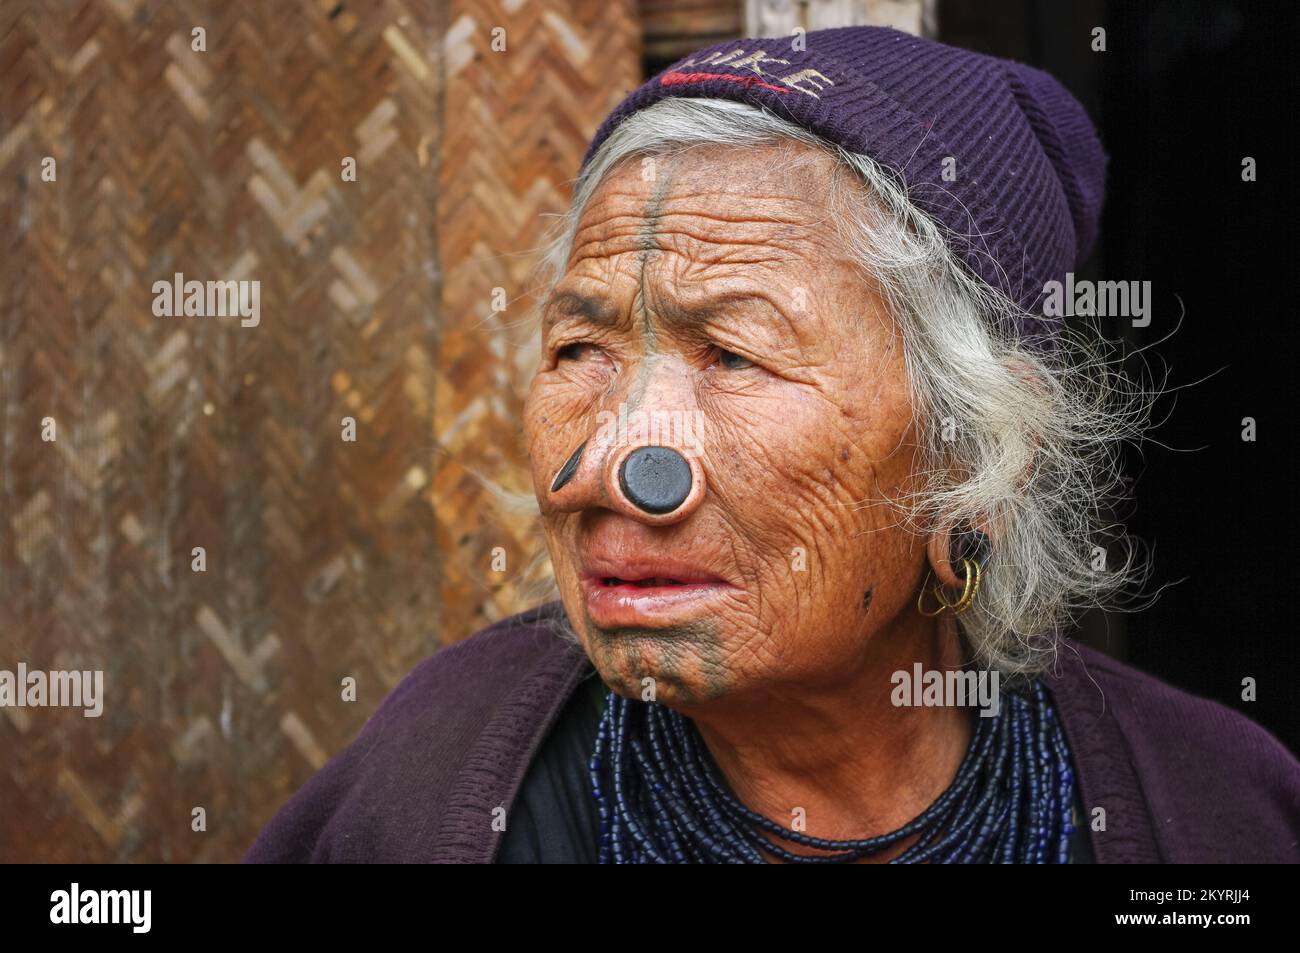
[648, 240]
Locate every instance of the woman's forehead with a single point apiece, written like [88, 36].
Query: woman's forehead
[782, 183]
[722, 208]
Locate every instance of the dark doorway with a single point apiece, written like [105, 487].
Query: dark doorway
[1182, 94]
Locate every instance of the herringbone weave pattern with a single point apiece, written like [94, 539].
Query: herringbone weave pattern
[324, 558]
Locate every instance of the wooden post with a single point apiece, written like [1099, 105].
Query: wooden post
[784, 17]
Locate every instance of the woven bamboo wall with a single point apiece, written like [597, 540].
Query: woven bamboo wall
[325, 558]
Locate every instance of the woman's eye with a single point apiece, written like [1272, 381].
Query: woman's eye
[572, 352]
[733, 361]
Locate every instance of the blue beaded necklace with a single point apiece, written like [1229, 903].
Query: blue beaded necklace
[662, 800]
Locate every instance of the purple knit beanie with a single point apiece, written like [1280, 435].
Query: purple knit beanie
[1029, 170]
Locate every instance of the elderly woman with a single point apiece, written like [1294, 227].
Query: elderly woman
[822, 484]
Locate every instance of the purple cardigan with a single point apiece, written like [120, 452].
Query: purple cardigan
[1181, 778]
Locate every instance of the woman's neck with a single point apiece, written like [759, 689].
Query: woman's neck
[843, 758]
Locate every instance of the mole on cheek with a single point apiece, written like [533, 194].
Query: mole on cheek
[866, 600]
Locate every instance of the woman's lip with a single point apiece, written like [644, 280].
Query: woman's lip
[613, 579]
[633, 568]
[630, 605]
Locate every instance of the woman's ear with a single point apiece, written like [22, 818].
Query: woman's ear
[946, 548]
[939, 551]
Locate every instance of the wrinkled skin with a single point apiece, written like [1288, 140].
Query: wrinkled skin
[805, 434]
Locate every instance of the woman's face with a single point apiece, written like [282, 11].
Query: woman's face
[707, 306]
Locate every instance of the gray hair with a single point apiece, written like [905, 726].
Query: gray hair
[1026, 444]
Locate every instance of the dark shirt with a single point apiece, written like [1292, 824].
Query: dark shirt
[1182, 779]
[555, 820]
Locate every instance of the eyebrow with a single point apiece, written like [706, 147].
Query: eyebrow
[597, 310]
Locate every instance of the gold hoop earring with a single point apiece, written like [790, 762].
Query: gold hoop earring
[969, 591]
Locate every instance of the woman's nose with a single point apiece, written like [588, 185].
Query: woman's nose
[651, 483]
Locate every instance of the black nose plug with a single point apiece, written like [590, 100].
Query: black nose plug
[656, 479]
[569, 469]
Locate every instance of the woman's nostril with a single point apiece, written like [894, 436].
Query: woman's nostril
[569, 469]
